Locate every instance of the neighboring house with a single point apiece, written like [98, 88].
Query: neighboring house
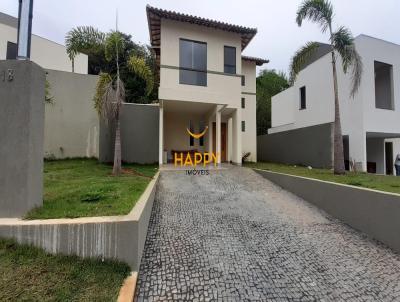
[46, 53]
[370, 121]
[204, 82]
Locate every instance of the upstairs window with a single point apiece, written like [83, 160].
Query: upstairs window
[192, 62]
[243, 80]
[243, 103]
[243, 126]
[230, 59]
[383, 86]
[303, 101]
[12, 50]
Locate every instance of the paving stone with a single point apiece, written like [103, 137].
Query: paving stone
[234, 236]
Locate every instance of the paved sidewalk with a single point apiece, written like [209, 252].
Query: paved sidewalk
[234, 236]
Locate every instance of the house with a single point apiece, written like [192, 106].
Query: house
[46, 53]
[302, 115]
[206, 86]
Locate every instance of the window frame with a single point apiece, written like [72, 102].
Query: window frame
[243, 78]
[229, 65]
[243, 103]
[243, 126]
[182, 68]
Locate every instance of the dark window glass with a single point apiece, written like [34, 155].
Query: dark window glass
[192, 63]
[243, 126]
[229, 59]
[303, 98]
[201, 128]
[191, 139]
[12, 51]
[243, 103]
[243, 80]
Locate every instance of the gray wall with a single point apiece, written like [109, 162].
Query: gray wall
[309, 146]
[21, 138]
[139, 135]
[374, 213]
[71, 122]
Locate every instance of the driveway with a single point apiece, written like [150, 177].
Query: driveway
[234, 236]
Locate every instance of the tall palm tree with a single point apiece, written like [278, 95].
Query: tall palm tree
[342, 44]
[110, 90]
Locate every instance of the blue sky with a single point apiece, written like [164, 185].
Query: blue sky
[278, 35]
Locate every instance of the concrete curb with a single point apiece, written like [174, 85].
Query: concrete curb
[127, 291]
[373, 212]
[115, 237]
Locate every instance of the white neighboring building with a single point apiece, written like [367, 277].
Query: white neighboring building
[46, 53]
[370, 121]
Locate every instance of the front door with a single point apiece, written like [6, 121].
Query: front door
[223, 140]
[389, 158]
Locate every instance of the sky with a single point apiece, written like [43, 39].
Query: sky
[278, 34]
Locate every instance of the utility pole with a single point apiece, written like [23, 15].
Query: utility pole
[25, 14]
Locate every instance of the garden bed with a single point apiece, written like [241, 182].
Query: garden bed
[85, 188]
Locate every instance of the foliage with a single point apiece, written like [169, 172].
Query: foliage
[100, 46]
[69, 184]
[102, 85]
[269, 83]
[300, 58]
[31, 274]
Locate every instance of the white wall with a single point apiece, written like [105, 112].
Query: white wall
[45, 53]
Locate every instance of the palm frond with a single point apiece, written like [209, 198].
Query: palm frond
[104, 84]
[84, 39]
[318, 11]
[343, 43]
[300, 58]
[139, 66]
[114, 44]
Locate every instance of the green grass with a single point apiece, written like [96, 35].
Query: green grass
[85, 188]
[377, 182]
[30, 274]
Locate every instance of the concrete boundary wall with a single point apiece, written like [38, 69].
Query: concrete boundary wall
[115, 237]
[373, 212]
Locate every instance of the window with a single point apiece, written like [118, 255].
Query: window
[12, 50]
[243, 81]
[191, 138]
[201, 128]
[192, 63]
[229, 59]
[243, 103]
[303, 98]
[383, 86]
[243, 126]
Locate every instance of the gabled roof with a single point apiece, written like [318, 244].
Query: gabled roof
[154, 16]
[259, 61]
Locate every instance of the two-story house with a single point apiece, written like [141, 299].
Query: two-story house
[370, 120]
[205, 84]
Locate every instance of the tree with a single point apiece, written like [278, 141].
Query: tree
[342, 44]
[269, 83]
[91, 41]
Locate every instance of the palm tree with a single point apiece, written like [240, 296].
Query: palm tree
[110, 90]
[342, 44]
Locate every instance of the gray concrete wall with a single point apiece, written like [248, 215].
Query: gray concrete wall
[139, 135]
[372, 212]
[22, 86]
[310, 146]
[116, 237]
[71, 122]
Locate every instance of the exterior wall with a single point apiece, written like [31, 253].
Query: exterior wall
[139, 135]
[71, 122]
[217, 82]
[249, 137]
[309, 146]
[283, 107]
[21, 139]
[44, 52]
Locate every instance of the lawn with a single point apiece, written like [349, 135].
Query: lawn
[30, 274]
[371, 181]
[83, 187]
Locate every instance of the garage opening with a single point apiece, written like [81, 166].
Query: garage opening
[383, 86]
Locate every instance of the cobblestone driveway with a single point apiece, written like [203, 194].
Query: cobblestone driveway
[234, 236]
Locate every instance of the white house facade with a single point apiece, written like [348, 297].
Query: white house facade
[370, 120]
[205, 84]
[46, 53]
